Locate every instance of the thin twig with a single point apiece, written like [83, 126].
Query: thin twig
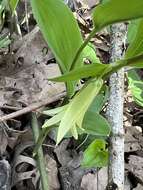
[39, 157]
[49, 146]
[10, 107]
[97, 179]
[32, 107]
[82, 142]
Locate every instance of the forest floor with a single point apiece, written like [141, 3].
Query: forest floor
[24, 68]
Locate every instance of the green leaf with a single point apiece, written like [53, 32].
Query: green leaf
[113, 11]
[100, 70]
[61, 32]
[135, 61]
[52, 112]
[4, 41]
[132, 30]
[74, 132]
[3, 5]
[135, 38]
[89, 52]
[3, 8]
[53, 120]
[93, 70]
[136, 87]
[96, 154]
[13, 4]
[95, 124]
[78, 106]
[136, 46]
[95, 107]
[99, 100]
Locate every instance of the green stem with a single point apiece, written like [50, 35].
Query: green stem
[124, 63]
[40, 157]
[81, 48]
[43, 134]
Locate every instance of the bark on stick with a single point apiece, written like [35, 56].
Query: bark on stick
[115, 110]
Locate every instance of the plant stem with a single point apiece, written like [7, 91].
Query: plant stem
[82, 47]
[39, 157]
[115, 110]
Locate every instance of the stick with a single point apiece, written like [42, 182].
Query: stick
[32, 107]
[115, 110]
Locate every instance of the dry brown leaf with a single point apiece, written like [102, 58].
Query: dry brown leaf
[19, 172]
[3, 141]
[92, 182]
[135, 166]
[139, 187]
[52, 171]
[92, 3]
[5, 175]
[24, 74]
[131, 143]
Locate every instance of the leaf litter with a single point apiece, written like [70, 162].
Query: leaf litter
[23, 81]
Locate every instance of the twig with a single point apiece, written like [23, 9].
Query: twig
[40, 157]
[32, 107]
[97, 179]
[10, 107]
[80, 145]
[115, 109]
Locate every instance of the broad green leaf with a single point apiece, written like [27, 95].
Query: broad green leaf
[135, 38]
[97, 103]
[136, 45]
[89, 52]
[95, 107]
[113, 11]
[99, 100]
[136, 87]
[132, 30]
[93, 70]
[96, 154]
[92, 121]
[79, 104]
[95, 124]
[61, 32]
